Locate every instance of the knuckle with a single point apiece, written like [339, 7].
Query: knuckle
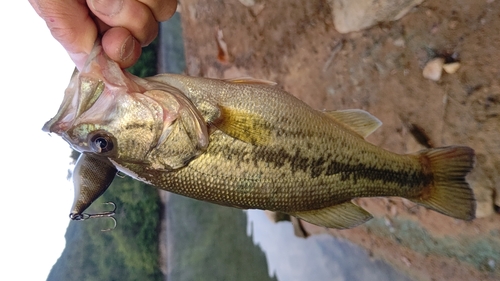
[65, 36]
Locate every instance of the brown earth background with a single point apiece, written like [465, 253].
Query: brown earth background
[295, 44]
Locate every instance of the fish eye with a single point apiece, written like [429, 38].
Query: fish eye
[101, 142]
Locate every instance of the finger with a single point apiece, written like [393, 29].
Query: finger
[161, 9]
[130, 14]
[70, 24]
[119, 44]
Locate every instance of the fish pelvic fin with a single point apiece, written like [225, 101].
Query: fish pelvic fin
[341, 216]
[357, 120]
[449, 193]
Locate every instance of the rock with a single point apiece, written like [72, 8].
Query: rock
[400, 42]
[484, 201]
[356, 15]
[255, 7]
[277, 216]
[491, 264]
[298, 228]
[406, 261]
[433, 69]
[223, 54]
[485, 188]
[248, 3]
[451, 67]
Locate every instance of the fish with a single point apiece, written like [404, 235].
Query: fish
[248, 144]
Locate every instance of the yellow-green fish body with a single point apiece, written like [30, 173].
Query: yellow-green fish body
[247, 144]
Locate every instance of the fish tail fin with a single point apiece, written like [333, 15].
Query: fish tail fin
[448, 192]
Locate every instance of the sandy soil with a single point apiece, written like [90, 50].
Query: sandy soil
[295, 44]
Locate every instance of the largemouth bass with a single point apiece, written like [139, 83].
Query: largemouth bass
[247, 144]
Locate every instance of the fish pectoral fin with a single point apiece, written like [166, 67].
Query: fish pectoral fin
[251, 80]
[357, 120]
[345, 215]
[243, 125]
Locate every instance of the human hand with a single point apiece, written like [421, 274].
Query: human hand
[125, 25]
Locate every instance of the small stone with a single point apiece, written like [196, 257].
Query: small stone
[491, 264]
[484, 200]
[451, 67]
[394, 210]
[248, 3]
[223, 54]
[298, 228]
[408, 204]
[433, 69]
[387, 222]
[277, 216]
[453, 24]
[400, 42]
[406, 261]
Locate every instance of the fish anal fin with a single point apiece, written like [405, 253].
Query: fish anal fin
[357, 120]
[449, 193]
[250, 80]
[341, 216]
[242, 125]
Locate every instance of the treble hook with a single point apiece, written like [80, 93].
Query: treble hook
[86, 216]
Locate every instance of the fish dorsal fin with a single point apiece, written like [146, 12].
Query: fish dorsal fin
[357, 120]
[250, 80]
[345, 215]
[243, 125]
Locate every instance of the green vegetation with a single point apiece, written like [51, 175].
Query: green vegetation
[478, 251]
[146, 66]
[128, 252]
[209, 242]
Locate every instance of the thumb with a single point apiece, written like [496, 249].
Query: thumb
[121, 46]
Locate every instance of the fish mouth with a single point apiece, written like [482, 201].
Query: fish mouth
[79, 97]
[58, 124]
[53, 126]
[103, 95]
[84, 89]
[80, 148]
[66, 113]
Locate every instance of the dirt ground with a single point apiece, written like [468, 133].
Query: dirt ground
[295, 44]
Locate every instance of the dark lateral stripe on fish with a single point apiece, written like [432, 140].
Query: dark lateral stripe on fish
[360, 172]
[324, 165]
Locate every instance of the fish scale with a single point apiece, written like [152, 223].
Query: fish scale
[263, 184]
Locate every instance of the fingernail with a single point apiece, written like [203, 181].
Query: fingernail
[107, 7]
[127, 48]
